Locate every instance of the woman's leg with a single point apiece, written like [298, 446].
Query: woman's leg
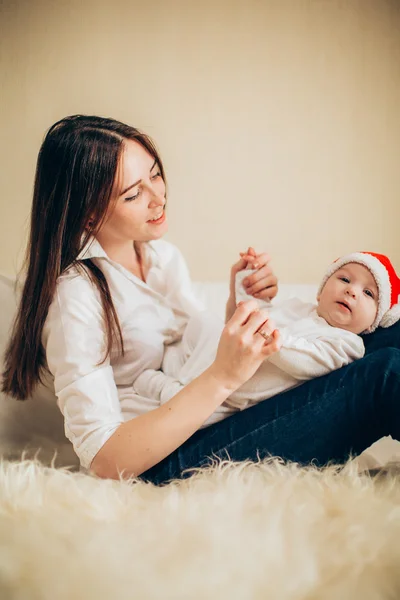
[322, 420]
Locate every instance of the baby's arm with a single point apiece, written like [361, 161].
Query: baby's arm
[157, 385]
[305, 358]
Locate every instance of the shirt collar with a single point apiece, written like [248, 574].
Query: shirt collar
[93, 249]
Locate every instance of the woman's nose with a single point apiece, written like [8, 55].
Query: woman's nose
[157, 198]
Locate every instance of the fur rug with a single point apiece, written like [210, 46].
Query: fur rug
[244, 531]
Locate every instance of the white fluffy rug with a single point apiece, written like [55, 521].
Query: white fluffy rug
[235, 531]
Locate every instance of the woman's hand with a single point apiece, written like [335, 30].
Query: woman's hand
[247, 340]
[262, 284]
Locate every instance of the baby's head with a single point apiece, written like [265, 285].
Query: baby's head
[360, 292]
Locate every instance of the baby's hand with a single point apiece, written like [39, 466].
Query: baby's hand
[239, 266]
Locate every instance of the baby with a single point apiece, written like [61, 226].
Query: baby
[358, 293]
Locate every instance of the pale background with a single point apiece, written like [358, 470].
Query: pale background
[278, 120]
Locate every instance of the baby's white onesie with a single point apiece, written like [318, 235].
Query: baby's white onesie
[310, 348]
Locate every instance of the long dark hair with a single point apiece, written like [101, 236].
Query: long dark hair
[75, 174]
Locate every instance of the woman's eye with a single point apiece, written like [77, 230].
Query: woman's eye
[155, 175]
[133, 197]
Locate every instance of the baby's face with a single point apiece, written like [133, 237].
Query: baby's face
[349, 299]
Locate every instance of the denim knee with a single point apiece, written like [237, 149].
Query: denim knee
[388, 356]
[385, 360]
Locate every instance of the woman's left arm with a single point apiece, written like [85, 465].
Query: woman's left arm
[262, 284]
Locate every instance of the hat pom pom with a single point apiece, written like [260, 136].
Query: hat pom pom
[391, 316]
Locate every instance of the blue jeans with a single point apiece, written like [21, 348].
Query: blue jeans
[323, 420]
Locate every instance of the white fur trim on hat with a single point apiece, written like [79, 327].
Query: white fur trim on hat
[391, 316]
[381, 277]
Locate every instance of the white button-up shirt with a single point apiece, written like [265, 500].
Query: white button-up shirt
[95, 397]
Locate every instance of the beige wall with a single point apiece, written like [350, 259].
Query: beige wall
[278, 120]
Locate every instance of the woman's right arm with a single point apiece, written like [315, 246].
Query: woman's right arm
[142, 442]
[74, 340]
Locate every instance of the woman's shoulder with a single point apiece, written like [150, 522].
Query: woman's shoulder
[74, 286]
[75, 307]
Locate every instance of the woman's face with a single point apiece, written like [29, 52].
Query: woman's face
[136, 211]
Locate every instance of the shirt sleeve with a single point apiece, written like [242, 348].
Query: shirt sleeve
[304, 358]
[75, 344]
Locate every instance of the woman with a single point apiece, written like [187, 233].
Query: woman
[104, 293]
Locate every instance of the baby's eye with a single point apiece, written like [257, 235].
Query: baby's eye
[369, 293]
[345, 279]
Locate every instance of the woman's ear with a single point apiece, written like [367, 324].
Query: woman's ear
[89, 225]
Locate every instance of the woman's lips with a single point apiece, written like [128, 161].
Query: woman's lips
[158, 221]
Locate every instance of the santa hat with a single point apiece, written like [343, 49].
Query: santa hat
[386, 280]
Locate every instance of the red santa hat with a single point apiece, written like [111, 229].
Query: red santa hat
[386, 280]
